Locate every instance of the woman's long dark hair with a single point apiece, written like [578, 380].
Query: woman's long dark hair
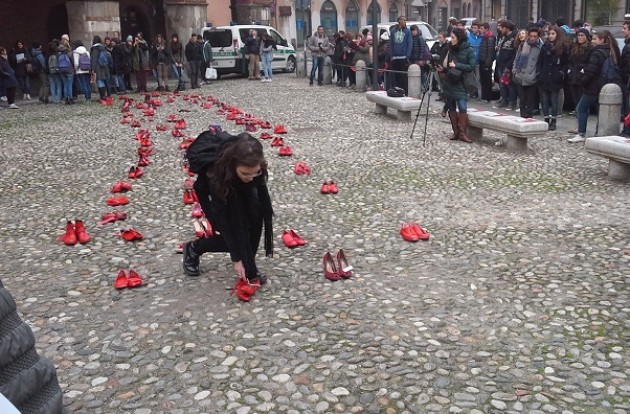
[246, 151]
[580, 48]
[560, 44]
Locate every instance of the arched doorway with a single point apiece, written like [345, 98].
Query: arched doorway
[369, 14]
[328, 17]
[352, 17]
[303, 20]
[393, 12]
[57, 24]
[132, 21]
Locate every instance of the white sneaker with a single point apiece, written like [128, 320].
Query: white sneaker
[577, 138]
[264, 80]
[269, 80]
[3, 98]
[28, 96]
[13, 106]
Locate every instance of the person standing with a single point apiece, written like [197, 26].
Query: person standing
[20, 60]
[487, 54]
[208, 58]
[266, 53]
[460, 58]
[82, 69]
[194, 58]
[233, 194]
[625, 69]
[400, 51]
[252, 48]
[527, 65]
[475, 37]
[128, 45]
[141, 61]
[340, 45]
[318, 45]
[162, 61]
[177, 51]
[554, 57]
[100, 67]
[578, 58]
[39, 67]
[8, 78]
[505, 60]
[66, 69]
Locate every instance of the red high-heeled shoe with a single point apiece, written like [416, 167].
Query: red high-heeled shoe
[408, 233]
[121, 280]
[277, 142]
[172, 118]
[117, 201]
[279, 129]
[244, 290]
[197, 211]
[189, 183]
[112, 217]
[330, 270]
[121, 187]
[134, 279]
[265, 125]
[177, 133]
[289, 240]
[325, 188]
[136, 124]
[188, 197]
[200, 231]
[299, 240]
[69, 238]
[143, 161]
[180, 124]
[131, 234]
[79, 229]
[345, 270]
[266, 135]
[285, 151]
[333, 187]
[207, 227]
[419, 231]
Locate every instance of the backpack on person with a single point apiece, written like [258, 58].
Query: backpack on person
[102, 59]
[611, 73]
[63, 63]
[84, 62]
[53, 64]
[204, 151]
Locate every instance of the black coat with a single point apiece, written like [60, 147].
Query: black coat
[29, 381]
[487, 51]
[122, 59]
[553, 68]
[591, 78]
[625, 61]
[193, 52]
[577, 62]
[507, 52]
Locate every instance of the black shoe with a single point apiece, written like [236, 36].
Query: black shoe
[260, 278]
[319, 83]
[310, 82]
[191, 260]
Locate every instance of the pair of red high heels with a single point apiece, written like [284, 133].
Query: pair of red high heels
[161, 128]
[340, 270]
[74, 232]
[412, 232]
[121, 187]
[112, 217]
[279, 129]
[130, 234]
[245, 289]
[197, 211]
[329, 187]
[203, 228]
[177, 133]
[180, 124]
[136, 124]
[301, 168]
[291, 239]
[190, 197]
[128, 280]
[277, 142]
[285, 151]
[135, 172]
[117, 201]
[266, 135]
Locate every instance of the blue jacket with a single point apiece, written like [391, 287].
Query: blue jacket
[400, 42]
[475, 43]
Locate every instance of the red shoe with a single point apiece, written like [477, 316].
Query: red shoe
[149, 112]
[146, 151]
[408, 233]
[189, 183]
[112, 217]
[266, 135]
[298, 239]
[170, 100]
[161, 128]
[125, 121]
[143, 161]
[128, 115]
[330, 271]
[325, 188]
[301, 168]
[180, 124]
[285, 151]
[172, 118]
[265, 125]
[117, 201]
[244, 290]
[135, 172]
[250, 127]
[206, 105]
[121, 187]
[136, 124]
[134, 279]
[207, 227]
[200, 231]
[333, 187]
[69, 238]
[79, 229]
[177, 133]
[197, 211]
[121, 280]
[419, 231]
[279, 129]
[145, 141]
[289, 240]
[188, 198]
[277, 142]
[345, 270]
[131, 234]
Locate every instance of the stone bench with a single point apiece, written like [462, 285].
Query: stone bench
[403, 105]
[617, 150]
[517, 129]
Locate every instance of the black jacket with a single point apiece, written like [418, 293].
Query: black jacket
[625, 61]
[487, 51]
[27, 380]
[193, 51]
[591, 78]
[122, 59]
[507, 52]
[252, 45]
[553, 68]
[577, 62]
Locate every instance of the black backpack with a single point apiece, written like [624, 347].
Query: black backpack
[396, 92]
[202, 153]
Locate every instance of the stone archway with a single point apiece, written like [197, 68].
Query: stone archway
[57, 23]
[134, 20]
[352, 17]
[328, 17]
[369, 14]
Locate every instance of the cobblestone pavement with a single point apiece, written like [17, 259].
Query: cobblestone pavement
[518, 303]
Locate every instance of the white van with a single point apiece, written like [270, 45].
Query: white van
[228, 48]
[429, 34]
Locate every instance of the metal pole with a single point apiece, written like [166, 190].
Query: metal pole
[375, 40]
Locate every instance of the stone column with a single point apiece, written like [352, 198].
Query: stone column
[89, 18]
[361, 74]
[327, 70]
[609, 110]
[414, 81]
[184, 18]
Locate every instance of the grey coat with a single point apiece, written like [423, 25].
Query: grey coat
[27, 380]
[102, 72]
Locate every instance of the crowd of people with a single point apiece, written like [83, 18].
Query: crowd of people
[67, 68]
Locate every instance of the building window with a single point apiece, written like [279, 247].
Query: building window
[369, 14]
[393, 12]
[328, 17]
[352, 17]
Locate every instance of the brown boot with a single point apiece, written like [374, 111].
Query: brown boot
[463, 126]
[452, 115]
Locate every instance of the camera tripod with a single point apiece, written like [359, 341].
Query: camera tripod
[427, 89]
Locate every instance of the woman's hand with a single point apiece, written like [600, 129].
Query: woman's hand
[239, 269]
[451, 64]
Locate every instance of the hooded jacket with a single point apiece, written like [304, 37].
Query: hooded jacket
[76, 54]
[464, 58]
[591, 75]
[487, 52]
[400, 43]
[474, 40]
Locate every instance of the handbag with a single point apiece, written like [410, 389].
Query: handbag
[211, 73]
[454, 74]
[470, 82]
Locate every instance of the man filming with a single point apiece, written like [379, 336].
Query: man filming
[319, 46]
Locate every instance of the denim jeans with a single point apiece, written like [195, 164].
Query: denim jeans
[583, 109]
[549, 102]
[66, 80]
[509, 92]
[318, 65]
[120, 82]
[25, 83]
[84, 85]
[461, 105]
[56, 87]
[266, 64]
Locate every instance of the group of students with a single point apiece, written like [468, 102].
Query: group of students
[66, 69]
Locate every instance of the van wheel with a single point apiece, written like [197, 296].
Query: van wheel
[290, 67]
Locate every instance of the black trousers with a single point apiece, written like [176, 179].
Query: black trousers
[400, 79]
[485, 75]
[528, 100]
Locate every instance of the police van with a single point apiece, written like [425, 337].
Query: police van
[228, 48]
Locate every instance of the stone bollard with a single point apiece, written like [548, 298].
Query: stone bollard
[300, 67]
[361, 76]
[327, 70]
[414, 81]
[610, 99]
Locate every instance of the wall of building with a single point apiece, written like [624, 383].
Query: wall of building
[219, 12]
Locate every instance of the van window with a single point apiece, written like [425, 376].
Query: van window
[218, 38]
[275, 36]
[428, 32]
